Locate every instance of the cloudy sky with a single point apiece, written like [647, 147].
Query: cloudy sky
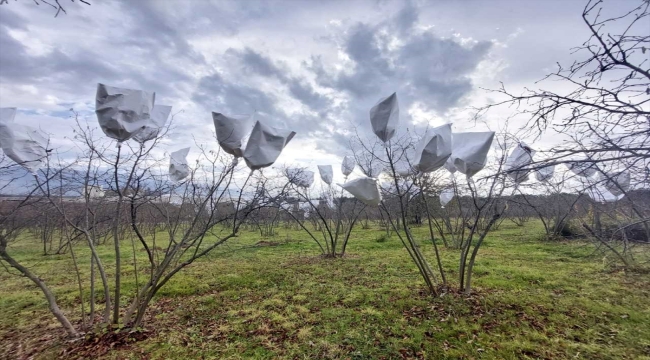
[313, 67]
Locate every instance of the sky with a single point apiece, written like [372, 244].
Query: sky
[313, 67]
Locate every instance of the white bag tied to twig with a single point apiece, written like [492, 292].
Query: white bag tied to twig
[583, 169]
[326, 173]
[231, 131]
[21, 143]
[348, 164]
[445, 196]
[300, 177]
[364, 189]
[434, 149]
[178, 167]
[122, 113]
[545, 174]
[602, 195]
[617, 184]
[265, 145]
[520, 157]
[373, 170]
[384, 117]
[159, 116]
[449, 165]
[405, 170]
[470, 150]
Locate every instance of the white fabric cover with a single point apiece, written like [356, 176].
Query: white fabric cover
[21, 143]
[434, 149]
[178, 168]
[122, 113]
[231, 131]
[364, 189]
[618, 181]
[520, 157]
[446, 196]
[348, 164]
[545, 174]
[158, 118]
[300, 177]
[384, 117]
[470, 151]
[265, 145]
[449, 165]
[326, 173]
[583, 169]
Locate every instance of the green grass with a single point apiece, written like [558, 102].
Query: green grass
[533, 300]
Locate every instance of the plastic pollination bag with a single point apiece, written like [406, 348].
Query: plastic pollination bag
[545, 174]
[470, 151]
[300, 177]
[158, 117]
[449, 165]
[583, 169]
[364, 189]
[374, 170]
[178, 168]
[231, 131]
[265, 145]
[21, 143]
[326, 173]
[123, 113]
[384, 117]
[445, 196]
[617, 183]
[434, 149]
[520, 157]
[348, 164]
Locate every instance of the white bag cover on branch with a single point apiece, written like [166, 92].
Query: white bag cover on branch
[434, 149]
[364, 189]
[617, 184]
[231, 131]
[122, 113]
[348, 164]
[265, 145]
[178, 168]
[404, 170]
[300, 177]
[449, 165]
[384, 117]
[583, 169]
[374, 170]
[520, 157]
[600, 194]
[326, 173]
[21, 143]
[446, 196]
[470, 151]
[545, 174]
[159, 117]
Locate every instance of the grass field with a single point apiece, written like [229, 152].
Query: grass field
[533, 299]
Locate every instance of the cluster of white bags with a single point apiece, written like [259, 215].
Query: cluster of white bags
[21, 143]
